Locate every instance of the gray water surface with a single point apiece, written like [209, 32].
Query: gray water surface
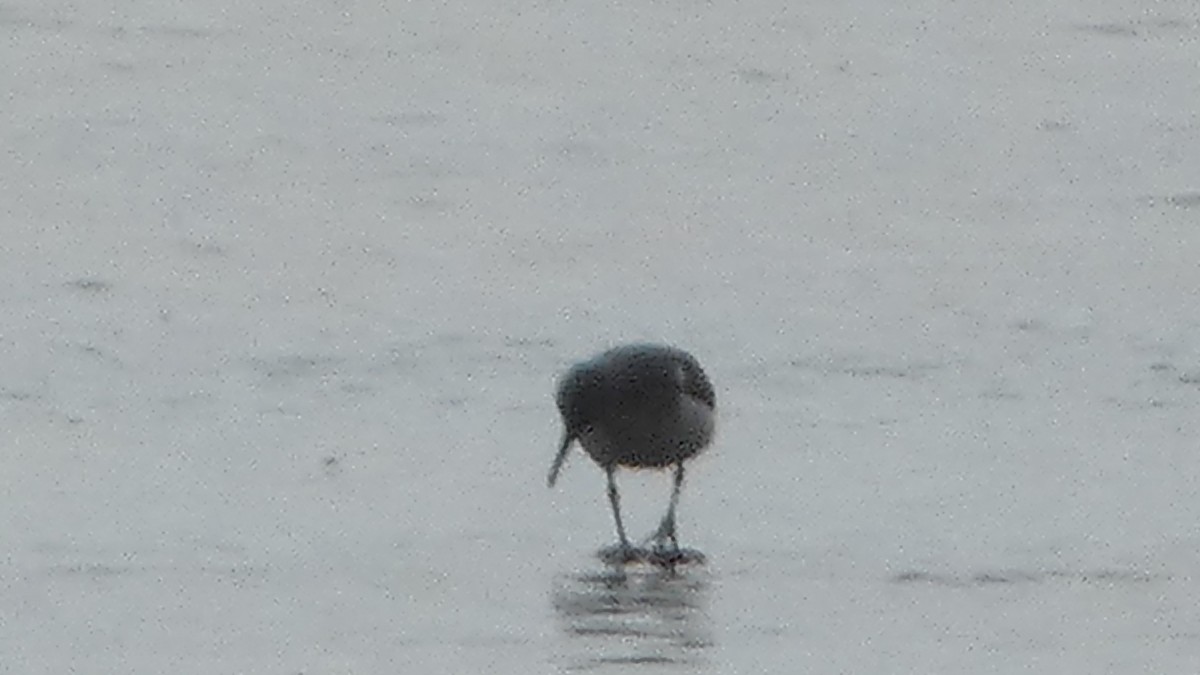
[287, 286]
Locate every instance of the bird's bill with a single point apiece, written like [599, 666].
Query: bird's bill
[560, 458]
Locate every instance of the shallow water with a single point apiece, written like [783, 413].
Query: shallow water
[287, 290]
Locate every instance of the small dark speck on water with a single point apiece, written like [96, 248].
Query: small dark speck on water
[331, 465]
[1054, 125]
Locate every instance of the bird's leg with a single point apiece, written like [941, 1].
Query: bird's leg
[623, 553]
[666, 529]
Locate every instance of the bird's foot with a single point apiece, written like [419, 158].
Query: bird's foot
[662, 549]
[621, 554]
[661, 554]
[665, 534]
[673, 556]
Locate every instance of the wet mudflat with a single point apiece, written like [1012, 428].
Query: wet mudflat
[286, 291]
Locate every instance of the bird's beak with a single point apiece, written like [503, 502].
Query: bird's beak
[560, 458]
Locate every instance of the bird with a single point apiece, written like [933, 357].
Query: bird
[637, 406]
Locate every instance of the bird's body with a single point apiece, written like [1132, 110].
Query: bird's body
[638, 406]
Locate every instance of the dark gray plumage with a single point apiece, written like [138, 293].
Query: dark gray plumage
[640, 406]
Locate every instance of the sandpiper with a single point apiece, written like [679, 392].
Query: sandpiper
[639, 406]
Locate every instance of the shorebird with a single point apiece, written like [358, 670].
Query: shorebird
[638, 406]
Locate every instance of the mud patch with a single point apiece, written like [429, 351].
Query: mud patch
[1109, 29]
[1150, 27]
[853, 367]
[759, 76]
[90, 285]
[289, 368]
[1015, 576]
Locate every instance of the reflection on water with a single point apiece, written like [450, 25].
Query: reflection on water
[647, 615]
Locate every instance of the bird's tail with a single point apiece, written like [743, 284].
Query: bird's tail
[568, 437]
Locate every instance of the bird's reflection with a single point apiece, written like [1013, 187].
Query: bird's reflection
[648, 615]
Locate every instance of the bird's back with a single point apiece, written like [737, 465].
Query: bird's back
[638, 405]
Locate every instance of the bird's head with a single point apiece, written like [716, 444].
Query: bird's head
[569, 399]
[693, 382]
